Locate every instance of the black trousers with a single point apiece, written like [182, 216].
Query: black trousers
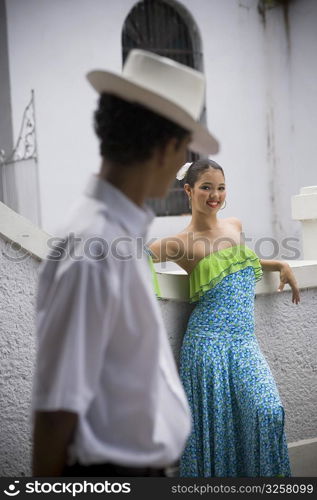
[110, 470]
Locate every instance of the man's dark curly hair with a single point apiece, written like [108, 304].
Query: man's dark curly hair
[129, 132]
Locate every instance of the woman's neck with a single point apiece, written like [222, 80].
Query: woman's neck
[201, 223]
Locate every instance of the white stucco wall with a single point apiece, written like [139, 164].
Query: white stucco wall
[261, 97]
[288, 336]
[17, 300]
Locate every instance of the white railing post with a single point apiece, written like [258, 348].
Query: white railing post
[304, 209]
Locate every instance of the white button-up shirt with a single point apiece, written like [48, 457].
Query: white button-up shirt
[103, 351]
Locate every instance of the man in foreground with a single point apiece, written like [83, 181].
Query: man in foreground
[107, 397]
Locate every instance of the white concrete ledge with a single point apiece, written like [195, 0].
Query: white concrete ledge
[174, 284]
[24, 234]
[304, 205]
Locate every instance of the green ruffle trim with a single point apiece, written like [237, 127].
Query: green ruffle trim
[213, 268]
[154, 276]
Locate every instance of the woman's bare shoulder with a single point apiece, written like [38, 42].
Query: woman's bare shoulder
[234, 221]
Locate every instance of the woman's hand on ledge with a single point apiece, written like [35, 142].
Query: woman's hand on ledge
[286, 276]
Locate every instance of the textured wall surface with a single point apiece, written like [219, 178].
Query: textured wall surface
[288, 337]
[263, 74]
[17, 294]
[287, 334]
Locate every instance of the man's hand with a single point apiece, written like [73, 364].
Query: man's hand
[53, 432]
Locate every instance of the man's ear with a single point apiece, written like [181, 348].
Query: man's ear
[167, 152]
[164, 153]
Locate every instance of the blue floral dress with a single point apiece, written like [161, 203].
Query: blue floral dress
[238, 418]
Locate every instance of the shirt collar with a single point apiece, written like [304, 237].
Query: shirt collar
[135, 219]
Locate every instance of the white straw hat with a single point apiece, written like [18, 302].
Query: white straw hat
[166, 87]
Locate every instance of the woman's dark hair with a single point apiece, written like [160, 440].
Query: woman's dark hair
[129, 132]
[197, 168]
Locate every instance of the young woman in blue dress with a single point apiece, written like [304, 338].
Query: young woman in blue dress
[237, 415]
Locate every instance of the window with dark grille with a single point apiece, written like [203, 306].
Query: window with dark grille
[163, 27]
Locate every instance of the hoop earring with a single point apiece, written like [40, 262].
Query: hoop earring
[224, 205]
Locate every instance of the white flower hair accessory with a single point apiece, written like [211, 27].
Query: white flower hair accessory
[182, 171]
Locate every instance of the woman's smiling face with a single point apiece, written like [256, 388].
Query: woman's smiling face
[209, 192]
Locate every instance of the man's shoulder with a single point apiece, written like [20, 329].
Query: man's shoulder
[87, 216]
[77, 263]
[90, 236]
[89, 220]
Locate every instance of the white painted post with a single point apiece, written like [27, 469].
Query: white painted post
[304, 209]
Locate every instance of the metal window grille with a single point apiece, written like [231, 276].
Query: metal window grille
[19, 170]
[157, 26]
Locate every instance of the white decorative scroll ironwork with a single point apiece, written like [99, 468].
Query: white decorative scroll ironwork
[19, 170]
[25, 147]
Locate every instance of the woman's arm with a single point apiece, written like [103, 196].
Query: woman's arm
[286, 276]
[170, 248]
